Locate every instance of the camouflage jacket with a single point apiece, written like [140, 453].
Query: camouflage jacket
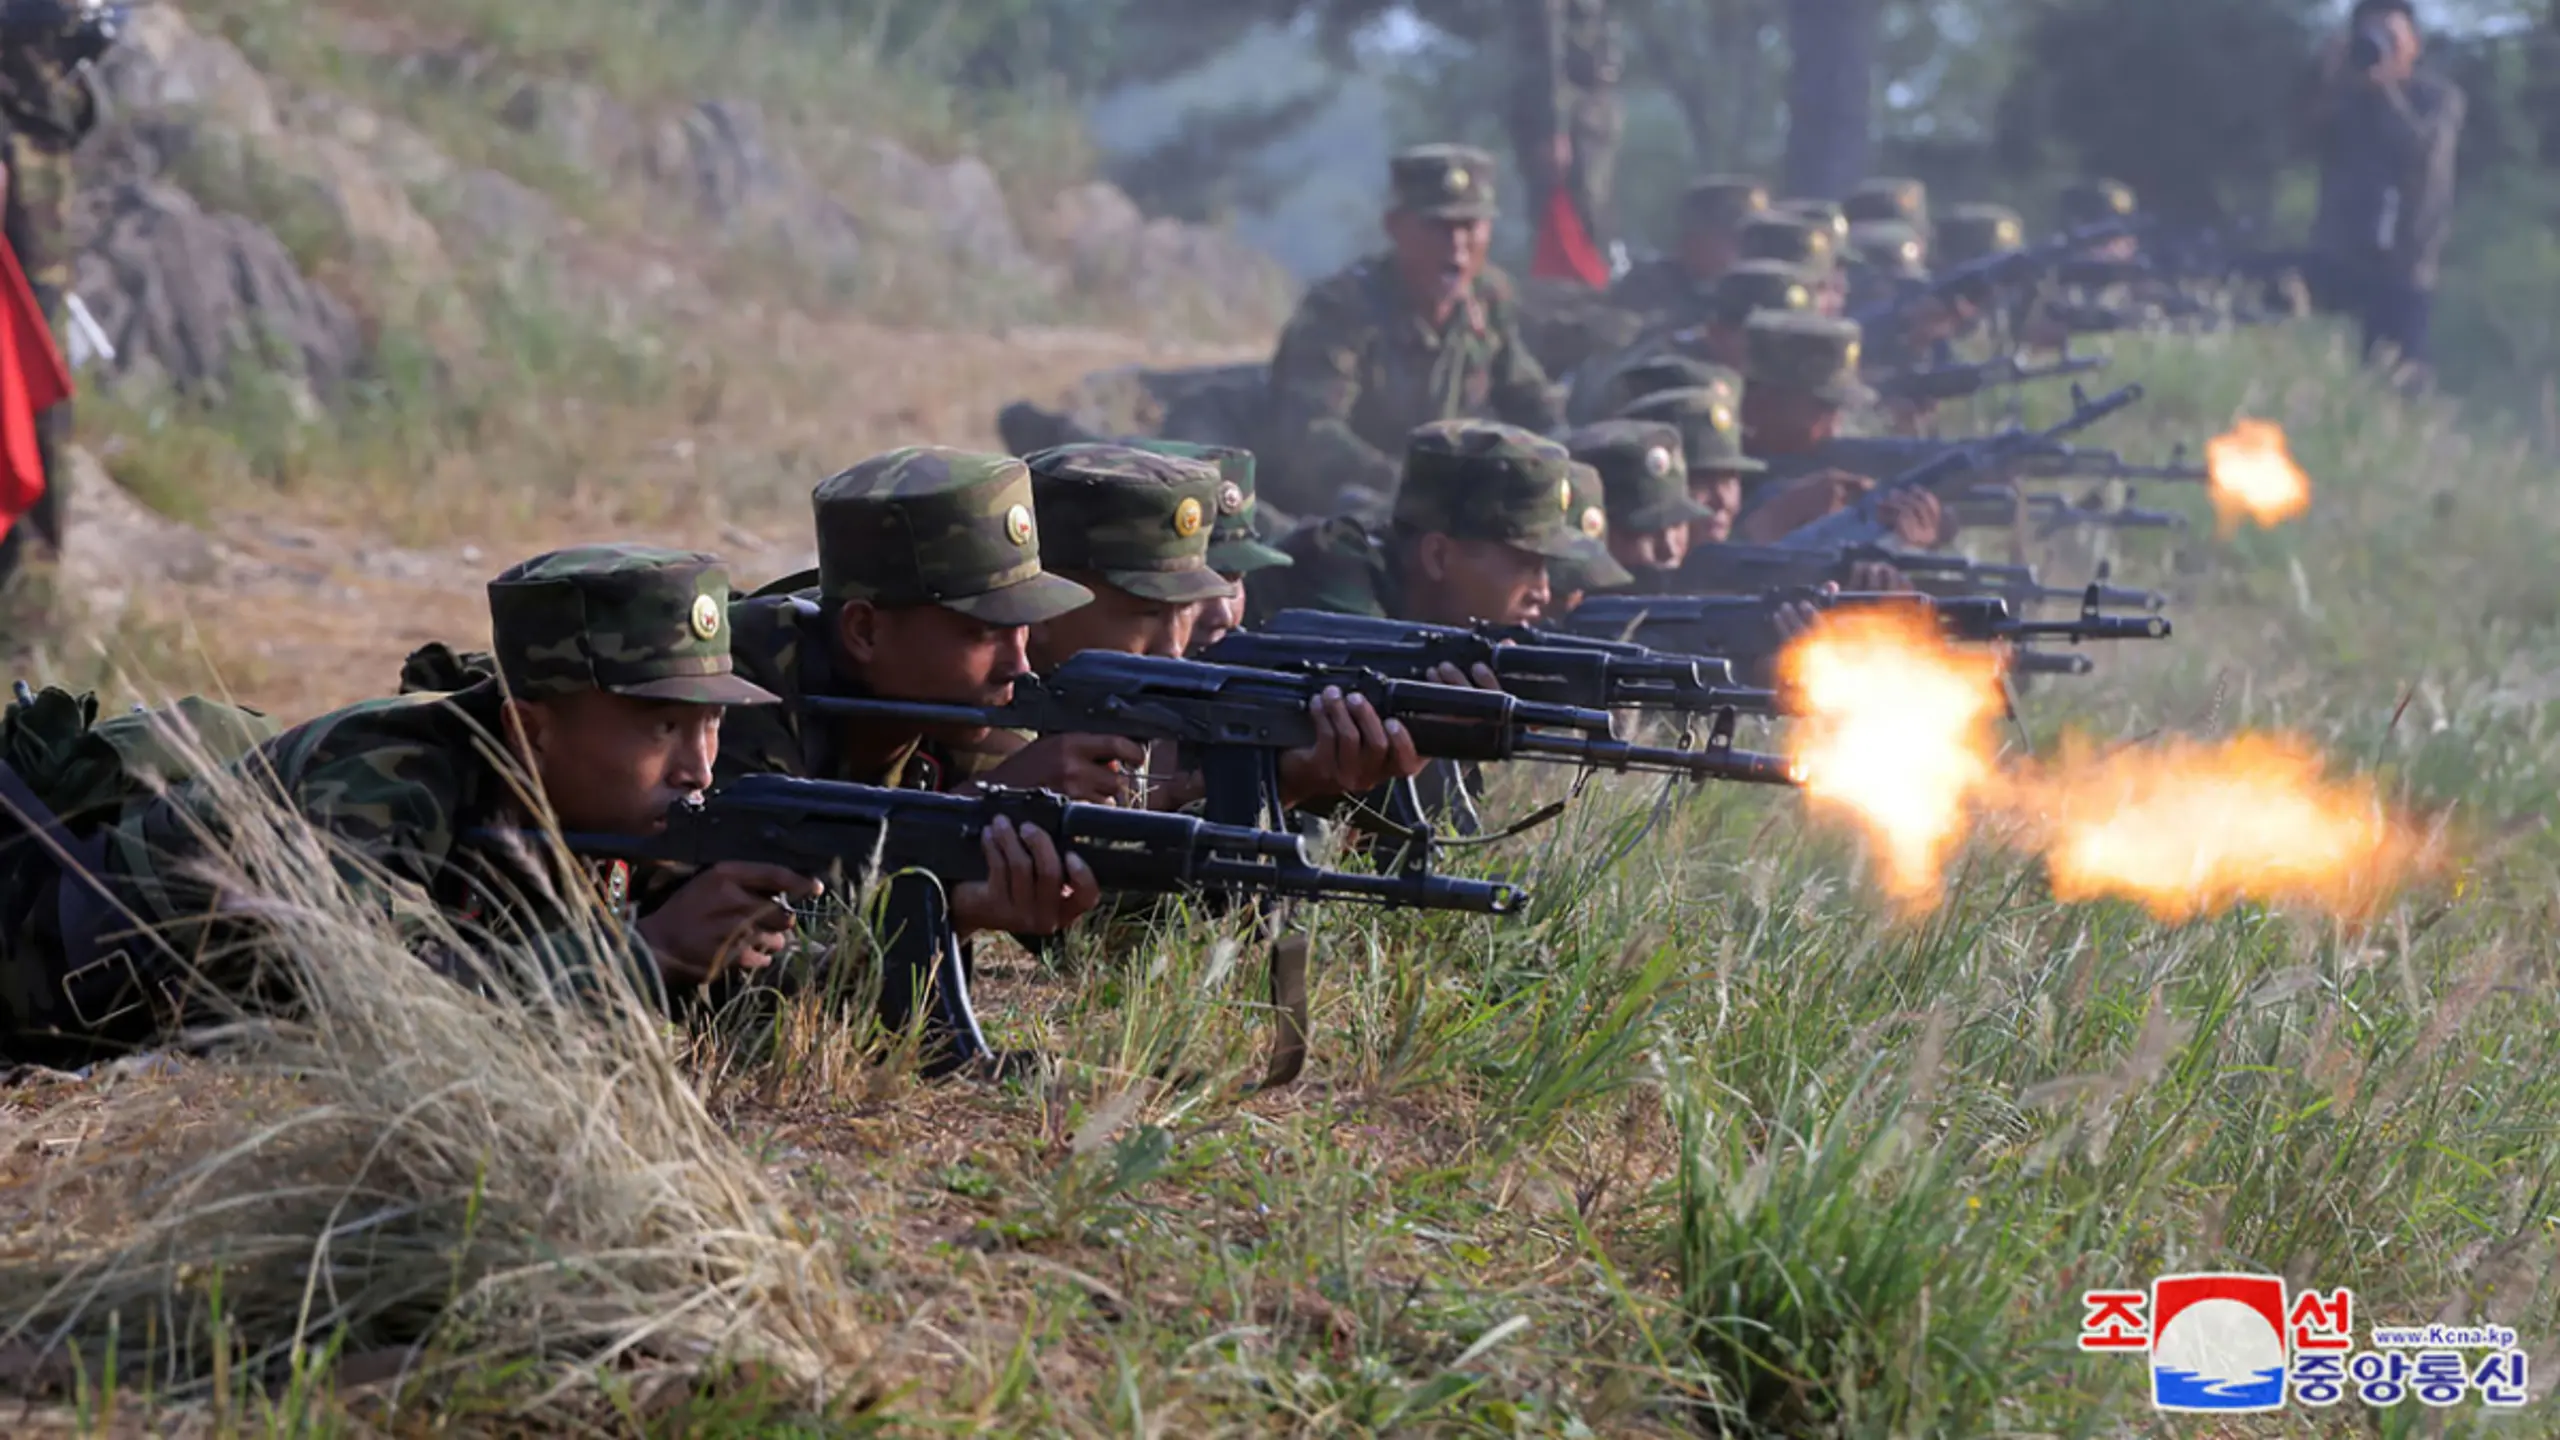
[765, 641]
[394, 786]
[1341, 568]
[1356, 370]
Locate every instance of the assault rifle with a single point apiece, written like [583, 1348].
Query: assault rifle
[1863, 523]
[1754, 569]
[2003, 506]
[819, 827]
[1893, 454]
[1976, 279]
[815, 827]
[1745, 626]
[1239, 721]
[1958, 381]
[1548, 665]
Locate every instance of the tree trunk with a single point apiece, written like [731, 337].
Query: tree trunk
[1830, 94]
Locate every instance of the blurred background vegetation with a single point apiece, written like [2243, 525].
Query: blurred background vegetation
[1276, 114]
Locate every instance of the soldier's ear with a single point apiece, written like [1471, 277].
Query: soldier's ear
[1431, 555]
[858, 630]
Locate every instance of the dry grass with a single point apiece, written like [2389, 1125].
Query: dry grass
[512, 1200]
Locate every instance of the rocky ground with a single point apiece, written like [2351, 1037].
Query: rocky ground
[431, 241]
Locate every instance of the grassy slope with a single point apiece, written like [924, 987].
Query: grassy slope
[1707, 1137]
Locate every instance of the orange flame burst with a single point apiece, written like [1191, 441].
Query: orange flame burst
[2187, 828]
[1895, 735]
[2254, 477]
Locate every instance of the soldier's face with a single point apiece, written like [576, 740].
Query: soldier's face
[1832, 295]
[1649, 549]
[1213, 618]
[1436, 256]
[1117, 621]
[1721, 494]
[616, 763]
[933, 654]
[1463, 581]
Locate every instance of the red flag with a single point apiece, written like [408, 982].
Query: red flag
[1565, 251]
[33, 379]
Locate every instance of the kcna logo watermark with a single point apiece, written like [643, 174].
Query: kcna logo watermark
[2228, 1343]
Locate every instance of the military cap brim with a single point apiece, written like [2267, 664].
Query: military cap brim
[1730, 465]
[1667, 515]
[700, 690]
[1595, 570]
[1174, 587]
[1028, 601]
[1567, 545]
[1243, 557]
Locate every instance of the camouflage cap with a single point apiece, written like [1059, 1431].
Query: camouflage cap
[1643, 473]
[1969, 232]
[1677, 372]
[1825, 213]
[1775, 235]
[1722, 201]
[1710, 429]
[628, 619]
[1139, 519]
[1889, 197]
[2087, 202]
[1235, 537]
[1808, 354]
[1890, 247]
[926, 525]
[1479, 480]
[1453, 181]
[1595, 569]
[1757, 285]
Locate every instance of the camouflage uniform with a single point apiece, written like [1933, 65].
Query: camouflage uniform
[1889, 198]
[1664, 289]
[1709, 425]
[1971, 232]
[48, 108]
[396, 785]
[1885, 255]
[1640, 373]
[1644, 476]
[1793, 240]
[1468, 479]
[1811, 355]
[1569, 579]
[1237, 547]
[923, 525]
[1359, 366]
[1570, 88]
[1823, 215]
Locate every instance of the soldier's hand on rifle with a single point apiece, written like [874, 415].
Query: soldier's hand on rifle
[732, 913]
[1874, 577]
[1916, 518]
[1801, 502]
[1478, 677]
[1095, 769]
[1029, 889]
[1794, 618]
[1354, 752]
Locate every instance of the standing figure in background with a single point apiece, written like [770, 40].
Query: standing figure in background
[1569, 118]
[2386, 132]
[47, 107]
